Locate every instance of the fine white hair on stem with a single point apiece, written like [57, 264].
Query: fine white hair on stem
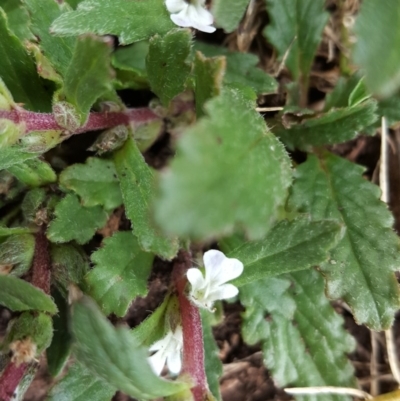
[329, 390]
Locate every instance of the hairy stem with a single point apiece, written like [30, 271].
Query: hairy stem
[9, 380]
[96, 121]
[193, 348]
[41, 273]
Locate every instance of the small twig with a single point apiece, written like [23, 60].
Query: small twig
[284, 58]
[329, 390]
[384, 165]
[266, 109]
[392, 354]
[374, 371]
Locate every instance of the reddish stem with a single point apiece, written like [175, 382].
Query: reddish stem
[96, 121]
[9, 380]
[193, 346]
[41, 273]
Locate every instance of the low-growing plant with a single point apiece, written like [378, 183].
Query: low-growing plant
[129, 134]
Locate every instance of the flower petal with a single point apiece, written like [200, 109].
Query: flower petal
[157, 362]
[225, 291]
[174, 362]
[220, 269]
[200, 15]
[175, 6]
[195, 278]
[181, 19]
[213, 259]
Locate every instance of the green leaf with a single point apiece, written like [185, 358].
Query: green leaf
[220, 161]
[33, 201]
[114, 355]
[390, 108]
[130, 65]
[18, 19]
[141, 19]
[89, 68]
[74, 221]
[209, 74]
[120, 273]
[360, 268]
[228, 13]
[95, 182]
[303, 340]
[19, 295]
[289, 246]
[241, 69]
[296, 27]
[335, 126]
[81, 385]
[57, 50]
[212, 363]
[18, 71]
[69, 265]
[137, 186]
[60, 348]
[374, 50]
[33, 173]
[6, 231]
[167, 63]
[16, 254]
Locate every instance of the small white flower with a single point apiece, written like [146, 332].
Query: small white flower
[219, 270]
[168, 349]
[191, 13]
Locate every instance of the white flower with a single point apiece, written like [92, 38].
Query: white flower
[219, 270]
[191, 13]
[168, 349]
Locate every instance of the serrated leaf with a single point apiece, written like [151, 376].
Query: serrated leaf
[96, 182]
[373, 50]
[120, 273]
[335, 126]
[19, 295]
[228, 13]
[167, 63]
[16, 254]
[141, 19]
[220, 161]
[34, 172]
[80, 384]
[137, 186]
[360, 268]
[303, 340]
[114, 355]
[212, 363]
[241, 69]
[74, 221]
[60, 348]
[57, 50]
[130, 65]
[296, 27]
[18, 71]
[89, 73]
[289, 246]
[18, 19]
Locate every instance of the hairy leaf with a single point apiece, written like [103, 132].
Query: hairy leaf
[74, 221]
[34, 172]
[302, 337]
[296, 27]
[113, 354]
[221, 161]
[16, 254]
[360, 268]
[120, 273]
[18, 71]
[19, 295]
[228, 13]
[335, 126]
[131, 21]
[96, 182]
[167, 65]
[18, 19]
[241, 69]
[80, 384]
[288, 246]
[89, 74]
[57, 50]
[375, 48]
[137, 186]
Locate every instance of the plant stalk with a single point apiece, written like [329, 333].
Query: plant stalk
[10, 379]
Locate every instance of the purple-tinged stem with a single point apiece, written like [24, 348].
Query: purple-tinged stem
[10, 379]
[96, 121]
[193, 346]
[41, 266]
